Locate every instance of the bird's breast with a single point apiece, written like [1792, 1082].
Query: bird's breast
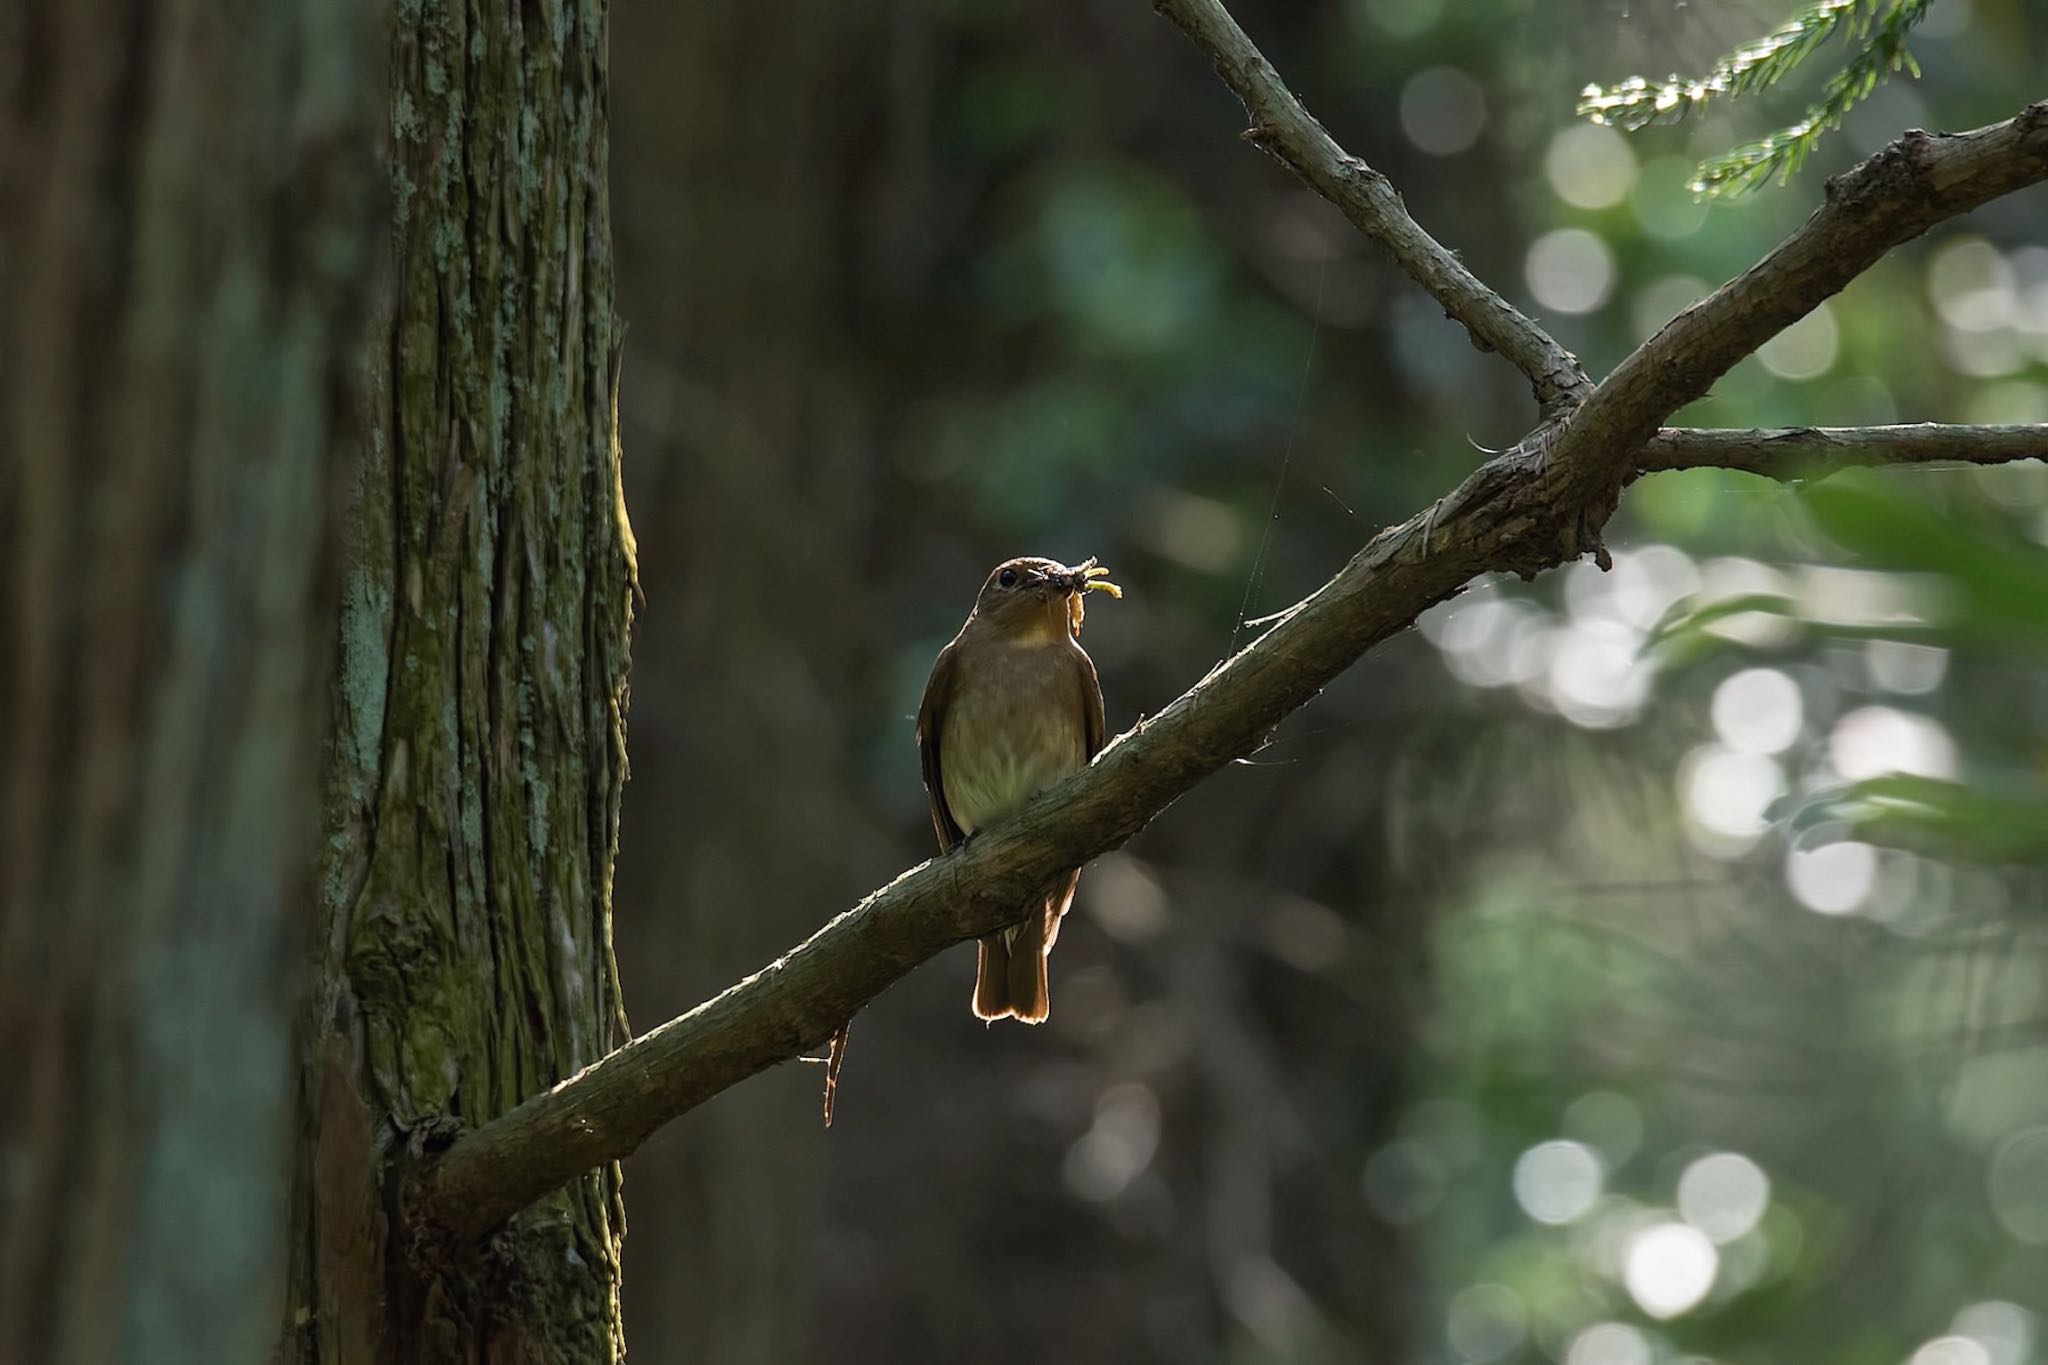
[1009, 735]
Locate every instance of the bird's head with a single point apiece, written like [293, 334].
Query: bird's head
[1029, 597]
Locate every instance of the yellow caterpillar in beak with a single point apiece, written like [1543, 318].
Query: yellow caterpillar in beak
[1088, 577]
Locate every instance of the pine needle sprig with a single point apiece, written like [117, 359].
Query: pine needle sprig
[1878, 27]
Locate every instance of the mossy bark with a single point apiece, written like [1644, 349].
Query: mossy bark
[465, 959]
[186, 214]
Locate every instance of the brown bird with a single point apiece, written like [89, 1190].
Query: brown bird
[1013, 706]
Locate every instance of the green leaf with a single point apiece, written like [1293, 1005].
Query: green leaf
[1686, 631]
[1981, 822]
[2001, 580]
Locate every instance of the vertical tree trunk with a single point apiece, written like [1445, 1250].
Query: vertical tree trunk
[184, 225]
[465, 958]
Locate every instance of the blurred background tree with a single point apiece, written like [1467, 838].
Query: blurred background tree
[1540, 993]
[187, 230]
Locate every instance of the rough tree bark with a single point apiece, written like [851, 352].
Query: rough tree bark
[185, 194]
[464, 955]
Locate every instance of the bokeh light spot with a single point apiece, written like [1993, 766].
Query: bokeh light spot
[1982, 355]
[1903, 666]
[2018, 1185]
[1609, 1343]
[1913, 894]
[1833, 879]
[1663, 299]
[2004, 1330]
[1723, 1195]
[1951, 1351]
[1649, 582]
[1195, 531]
[1598, 677]
[1123, 896]
[2014, 403]
[1806, 349]
[1557, 1182]
[1758, 711]
[1732, 576]
[1726, 792]
[1874, 740]
[1443, 111]
[1569, 271]
[1668, 1268]
[1118, 1147]
[1590, 166]
[1972, 285]
[1491, 641]
[1608, 1123]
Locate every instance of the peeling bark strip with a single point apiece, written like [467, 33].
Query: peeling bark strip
[465, 960]
[1539, 504]
[185, 217]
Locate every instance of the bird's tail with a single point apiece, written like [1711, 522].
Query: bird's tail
[992, 979]
[1010, 978]
[1030, 997]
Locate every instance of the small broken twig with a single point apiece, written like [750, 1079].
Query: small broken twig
[835, 1056]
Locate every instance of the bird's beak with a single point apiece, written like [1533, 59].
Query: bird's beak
[1051, 585]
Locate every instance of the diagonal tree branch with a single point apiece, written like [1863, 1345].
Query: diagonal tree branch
[1530, 508]
[1810, 452]
[1282, 127]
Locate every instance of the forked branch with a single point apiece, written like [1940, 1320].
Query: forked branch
[1282, 127]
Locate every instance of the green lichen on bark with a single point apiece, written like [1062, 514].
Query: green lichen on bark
[475, 776]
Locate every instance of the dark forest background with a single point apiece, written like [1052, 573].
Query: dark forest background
[1517, 1001]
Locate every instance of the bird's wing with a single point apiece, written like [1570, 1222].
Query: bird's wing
[1091, 702]
[938, 690]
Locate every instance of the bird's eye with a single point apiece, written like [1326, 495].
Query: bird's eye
[1007, 578]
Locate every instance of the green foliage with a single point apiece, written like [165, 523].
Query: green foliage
[1985, 578]
[1687, 632]
[1986, 581]
[1993, 575]
[1933, 815]
[1879, 27]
